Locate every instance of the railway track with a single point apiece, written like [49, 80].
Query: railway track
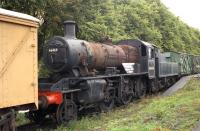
[48, 124]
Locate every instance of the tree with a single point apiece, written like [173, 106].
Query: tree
[148, 20]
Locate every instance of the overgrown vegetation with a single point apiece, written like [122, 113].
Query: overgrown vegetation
[148, 20]
[21, 119]
[180, 111]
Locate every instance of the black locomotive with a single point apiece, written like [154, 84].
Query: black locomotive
[88, 74]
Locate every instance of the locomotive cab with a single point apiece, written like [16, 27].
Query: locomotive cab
[150, 58]
[147, 55]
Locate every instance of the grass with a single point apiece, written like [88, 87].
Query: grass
[180, 112]
[21, 119]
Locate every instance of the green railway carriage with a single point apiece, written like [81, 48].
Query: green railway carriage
[172, 56]
[168, 67]
[196, 64]
[188, 63]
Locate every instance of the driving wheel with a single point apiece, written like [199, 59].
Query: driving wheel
[67, 111]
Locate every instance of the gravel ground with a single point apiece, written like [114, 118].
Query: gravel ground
[197, 128]
[178, 85]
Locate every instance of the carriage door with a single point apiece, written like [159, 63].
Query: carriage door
[151, 62]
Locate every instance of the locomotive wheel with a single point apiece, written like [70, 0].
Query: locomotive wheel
[66, 112]
[108, 103]
[153, 88]
[141, 88]
[36, 116]
[127, 93]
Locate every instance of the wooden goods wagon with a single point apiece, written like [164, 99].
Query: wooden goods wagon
[18, 61]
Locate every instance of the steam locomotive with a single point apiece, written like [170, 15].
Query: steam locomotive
[88, 74]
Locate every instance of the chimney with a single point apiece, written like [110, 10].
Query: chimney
[69, 29]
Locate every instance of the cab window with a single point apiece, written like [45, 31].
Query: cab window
[151, 53]
[143, 50]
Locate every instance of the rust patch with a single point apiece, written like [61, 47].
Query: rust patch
[104, 55]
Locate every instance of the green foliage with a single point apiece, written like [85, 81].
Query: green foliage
[148, 20]
[51, 13]
[43, 71]
[21, 119]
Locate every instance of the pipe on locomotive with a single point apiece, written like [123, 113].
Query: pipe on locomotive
[70, 29]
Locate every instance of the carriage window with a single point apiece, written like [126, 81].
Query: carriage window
[143, 50]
